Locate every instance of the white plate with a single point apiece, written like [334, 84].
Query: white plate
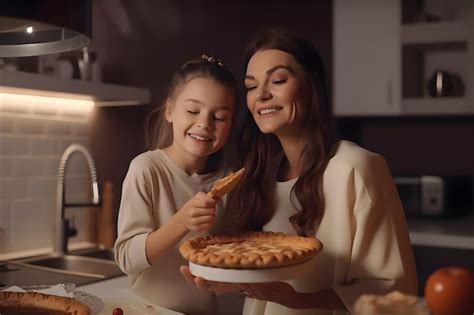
[94, 303]
[250, 275]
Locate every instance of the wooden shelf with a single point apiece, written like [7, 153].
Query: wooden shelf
[102, 94]
[434, 33]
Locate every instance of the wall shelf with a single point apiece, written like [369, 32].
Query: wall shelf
[103, 94]
[434, 33]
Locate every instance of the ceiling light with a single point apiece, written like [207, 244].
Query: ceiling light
[52, 26]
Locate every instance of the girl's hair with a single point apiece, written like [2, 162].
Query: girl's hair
[158, 130]
[252, 202]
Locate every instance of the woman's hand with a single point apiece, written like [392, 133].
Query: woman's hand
[217, 287]
[278, 292]
[198, 214]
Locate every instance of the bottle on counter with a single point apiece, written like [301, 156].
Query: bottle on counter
[89, 66]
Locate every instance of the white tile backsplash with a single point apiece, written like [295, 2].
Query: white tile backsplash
[13, 188]
[58, 128]
[5, 234]
[29, 126]
[32, 141]
[11, 144]
[44, 146]
[5, 167]
[33, 167]
[6, 125]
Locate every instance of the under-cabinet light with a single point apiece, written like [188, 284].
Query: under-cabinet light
[45, 102]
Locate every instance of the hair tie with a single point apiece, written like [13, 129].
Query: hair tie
[209, 58]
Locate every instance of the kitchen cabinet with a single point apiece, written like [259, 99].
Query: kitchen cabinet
[366, 57]
[381, 66]
[102, 94]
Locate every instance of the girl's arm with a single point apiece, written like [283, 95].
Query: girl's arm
[198, 214]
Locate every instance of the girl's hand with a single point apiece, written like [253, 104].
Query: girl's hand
[217, 287]
[198, 214]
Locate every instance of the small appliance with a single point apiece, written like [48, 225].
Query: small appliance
[435, 196]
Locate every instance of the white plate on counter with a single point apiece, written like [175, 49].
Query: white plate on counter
[251, 275]
[94, 303]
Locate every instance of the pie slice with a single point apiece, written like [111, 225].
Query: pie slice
[250, 250]
[28, 303]
[226, 184]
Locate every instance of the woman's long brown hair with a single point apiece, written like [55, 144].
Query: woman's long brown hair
[252, 202]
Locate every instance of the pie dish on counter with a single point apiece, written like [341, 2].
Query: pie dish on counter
[250, 250]
[39, 303]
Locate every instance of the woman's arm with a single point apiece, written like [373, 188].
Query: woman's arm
[284, 294]
[381, 258]
[278, 292]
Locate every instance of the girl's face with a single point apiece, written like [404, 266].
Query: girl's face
[277, 92]
[201, 115]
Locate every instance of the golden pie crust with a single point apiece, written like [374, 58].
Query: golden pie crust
[16, 303]
[250, 250]
[226, 184]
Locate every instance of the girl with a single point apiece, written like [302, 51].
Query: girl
[163, 199]
[298, 181]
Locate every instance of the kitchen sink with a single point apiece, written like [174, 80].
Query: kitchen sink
[74, 265]
[101, 253]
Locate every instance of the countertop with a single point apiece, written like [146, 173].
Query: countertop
[114, 293]
[449, 233]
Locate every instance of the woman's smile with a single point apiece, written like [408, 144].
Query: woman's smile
[269, 110]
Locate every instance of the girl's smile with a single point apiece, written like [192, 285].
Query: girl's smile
[200, 138]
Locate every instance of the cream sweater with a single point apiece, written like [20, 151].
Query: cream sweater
[153, 191]
[364, 233]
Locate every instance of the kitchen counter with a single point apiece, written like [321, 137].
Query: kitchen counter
[449, 233]
[114, 293]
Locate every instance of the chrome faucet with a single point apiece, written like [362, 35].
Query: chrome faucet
[63, 229]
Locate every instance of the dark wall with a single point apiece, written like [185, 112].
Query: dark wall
[442, 145]
[141, 42]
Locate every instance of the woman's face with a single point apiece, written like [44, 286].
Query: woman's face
[277, 92]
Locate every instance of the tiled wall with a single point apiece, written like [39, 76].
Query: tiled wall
[32, 140]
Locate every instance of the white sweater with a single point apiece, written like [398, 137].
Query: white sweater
[364, 233]
[153, 191]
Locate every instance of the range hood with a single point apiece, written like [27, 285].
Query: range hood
[40, 27]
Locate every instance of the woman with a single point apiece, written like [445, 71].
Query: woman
[299, 181]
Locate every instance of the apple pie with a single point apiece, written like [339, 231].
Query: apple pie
[249, 250]
[226, 184]
[19, 303]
